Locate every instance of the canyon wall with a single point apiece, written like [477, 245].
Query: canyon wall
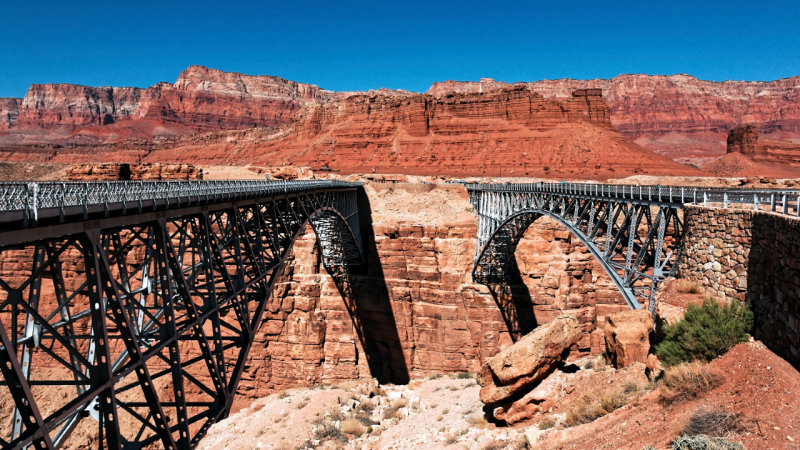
[512, 131]
[9, 111]
[749, 255]
[677, 115]
[508, 132]
[745, 140]
[431, 317]
[201, 99]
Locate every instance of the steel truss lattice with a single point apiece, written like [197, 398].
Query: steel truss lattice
[635, 232]
[144, 328]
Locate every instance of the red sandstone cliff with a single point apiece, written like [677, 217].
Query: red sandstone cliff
[201, 99]
[511, 131]
[677, 115]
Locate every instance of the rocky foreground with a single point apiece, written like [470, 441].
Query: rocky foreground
[445, 412]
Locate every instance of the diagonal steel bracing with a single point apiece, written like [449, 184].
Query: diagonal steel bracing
[133, 323]
[634, 232]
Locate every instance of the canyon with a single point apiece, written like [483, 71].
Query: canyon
[678, 116]
[511, 131]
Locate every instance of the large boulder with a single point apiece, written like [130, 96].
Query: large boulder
[627, 335]
[519, 367]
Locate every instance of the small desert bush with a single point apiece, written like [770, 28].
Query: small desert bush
[477, 420]
[463, 375]
[352, 426]
[392, 413]
[328, 431]
[687, 381]
[688, 287]
[702, 442]
[592, 407]
[399, 402]
[547, 422]
[714, 423]
[705, 332]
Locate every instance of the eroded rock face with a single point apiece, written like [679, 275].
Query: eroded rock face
[519, 367]
[627, 337]
[676, 115]
[743, 139]
[123, 171]
[9, 110]
[67, 106]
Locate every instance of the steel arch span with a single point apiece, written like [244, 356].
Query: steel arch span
[638, 243]
[134, 319]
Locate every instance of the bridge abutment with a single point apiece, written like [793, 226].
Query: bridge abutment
[752, 256]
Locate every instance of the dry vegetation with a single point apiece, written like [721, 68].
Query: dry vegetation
[592, 406]
[687, 381]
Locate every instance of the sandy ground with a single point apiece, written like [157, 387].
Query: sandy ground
[445, 412]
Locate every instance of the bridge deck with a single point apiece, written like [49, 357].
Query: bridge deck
[786, 201]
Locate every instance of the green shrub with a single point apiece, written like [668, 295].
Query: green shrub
[705, 332]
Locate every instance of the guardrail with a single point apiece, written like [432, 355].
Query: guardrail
[32, 197]
[777, 200]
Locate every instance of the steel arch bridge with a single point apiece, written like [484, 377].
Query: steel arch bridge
[136, 303]
[634, 232]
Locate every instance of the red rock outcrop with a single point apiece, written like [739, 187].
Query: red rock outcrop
[124, 171]
[743, 139]
[9, 110]
[510, 132]
[627, 337]
[201, 99]
[677, 115]
[67, 106]
[519, 367]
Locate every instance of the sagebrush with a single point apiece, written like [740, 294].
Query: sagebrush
[687, 381]
[705, 332]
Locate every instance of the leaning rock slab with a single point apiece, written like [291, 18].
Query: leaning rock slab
[627, 335]
[528, 361]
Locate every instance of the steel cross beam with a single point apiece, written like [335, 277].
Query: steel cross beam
[634, 232]
[133, 323]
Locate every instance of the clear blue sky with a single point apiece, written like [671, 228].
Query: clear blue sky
[343, 45]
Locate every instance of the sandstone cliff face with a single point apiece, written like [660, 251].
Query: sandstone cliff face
[677, 115]
[511, 132]
[439, 319]
[9, 110]
[201, 99]
[745, 140]
[49, 106]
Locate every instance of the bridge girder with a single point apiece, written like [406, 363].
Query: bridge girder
[150, 333]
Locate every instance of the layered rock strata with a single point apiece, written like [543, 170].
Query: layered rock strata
[677, 115]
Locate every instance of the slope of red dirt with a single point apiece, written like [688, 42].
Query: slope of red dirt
[758, 384]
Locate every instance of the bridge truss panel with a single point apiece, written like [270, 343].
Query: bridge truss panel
[140, 332]
[637, 243]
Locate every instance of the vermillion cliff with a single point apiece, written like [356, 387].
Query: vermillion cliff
[512, 131]
[677, 115]
[201, 99]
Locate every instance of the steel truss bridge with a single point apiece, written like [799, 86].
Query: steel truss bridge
[130, 307]
[634, 232]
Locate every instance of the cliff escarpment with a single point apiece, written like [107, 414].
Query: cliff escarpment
[677, 115]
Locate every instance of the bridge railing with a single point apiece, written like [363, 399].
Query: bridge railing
[779, 200]
[31, 197]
